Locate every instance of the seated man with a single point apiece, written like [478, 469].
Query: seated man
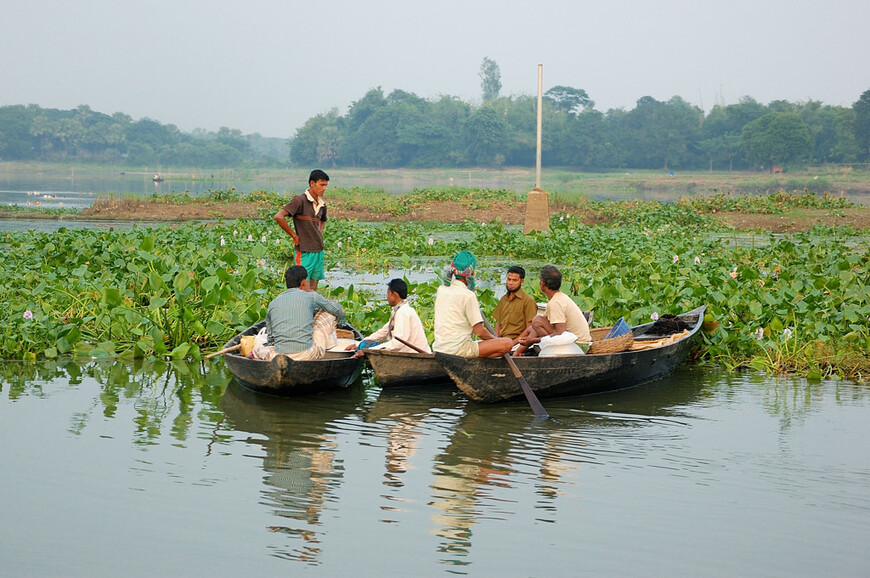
[404, 323]
[516, 309]
[458, 316]
[561, 314]
[300, 323]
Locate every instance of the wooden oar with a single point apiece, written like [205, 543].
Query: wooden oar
[414, 347]
[222, 351]
[527, 389]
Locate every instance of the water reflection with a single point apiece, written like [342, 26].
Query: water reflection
[712, 461]
[164, 394]
[303, 471]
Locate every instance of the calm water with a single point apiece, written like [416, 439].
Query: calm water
[155, 469]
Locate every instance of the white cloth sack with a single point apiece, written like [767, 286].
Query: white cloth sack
[563, 344]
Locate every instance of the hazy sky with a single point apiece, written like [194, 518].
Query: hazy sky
[267, 66]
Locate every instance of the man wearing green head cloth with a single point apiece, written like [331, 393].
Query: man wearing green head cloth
[458, 316]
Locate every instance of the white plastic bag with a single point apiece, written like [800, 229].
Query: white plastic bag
[260, 349]
[562, 344]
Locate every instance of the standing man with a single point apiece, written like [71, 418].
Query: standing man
[458, 316]
[516, 309]
[561, 315]
[309, 217]
[404, 323]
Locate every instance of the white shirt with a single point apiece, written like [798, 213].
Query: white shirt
[456, 313]
[405, 324]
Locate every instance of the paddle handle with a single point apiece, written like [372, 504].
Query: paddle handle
[414, 347]
[222, 351]
[535, 404]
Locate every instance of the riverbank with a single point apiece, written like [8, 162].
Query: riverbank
[368, 206]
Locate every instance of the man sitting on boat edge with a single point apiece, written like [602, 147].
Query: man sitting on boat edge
[458, 316]
[300, 323]
[561, 315]
[404, 323]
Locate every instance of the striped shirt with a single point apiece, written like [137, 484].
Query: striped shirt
[290, 319]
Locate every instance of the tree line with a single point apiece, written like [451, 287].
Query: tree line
[29, 133]
[401, 129]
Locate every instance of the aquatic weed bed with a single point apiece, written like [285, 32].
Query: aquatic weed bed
[797, 303]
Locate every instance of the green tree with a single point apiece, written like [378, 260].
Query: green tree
[660, 134]
[776, 138]
[485, 137]
[568, 99]
[490, 79]
[862, 123]
[308, 145]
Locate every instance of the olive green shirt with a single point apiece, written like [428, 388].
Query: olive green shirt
[514, 312]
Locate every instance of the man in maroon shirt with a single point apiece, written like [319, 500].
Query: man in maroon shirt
[309, 217]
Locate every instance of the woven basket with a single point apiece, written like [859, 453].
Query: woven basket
[612, 345]
[344, 334]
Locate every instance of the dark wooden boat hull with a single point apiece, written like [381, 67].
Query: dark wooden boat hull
[401, 369]
[283, 376]
[491, 380]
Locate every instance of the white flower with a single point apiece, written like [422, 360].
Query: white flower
[223, 241]
[28, 314]
[654, 316]
[431, 241]
[339, 244]
[263, 239]
[277, 241]
[235, 233]
[676, 258]
[759, 333]
[561, 217]
[697, 260]
[787, 333]
[250, 237]
[571, 231]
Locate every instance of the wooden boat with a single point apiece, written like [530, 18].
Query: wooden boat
[491, 380]
[399, 369]
[283, 376]
[402, 369]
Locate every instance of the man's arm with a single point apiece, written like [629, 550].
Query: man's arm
[380, 334]
[281, 219]
[530, 309]
[332, 307]
[482, 332]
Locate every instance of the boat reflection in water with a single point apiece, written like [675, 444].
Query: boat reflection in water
[448, 465]
[490, 450]
[298, 438]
